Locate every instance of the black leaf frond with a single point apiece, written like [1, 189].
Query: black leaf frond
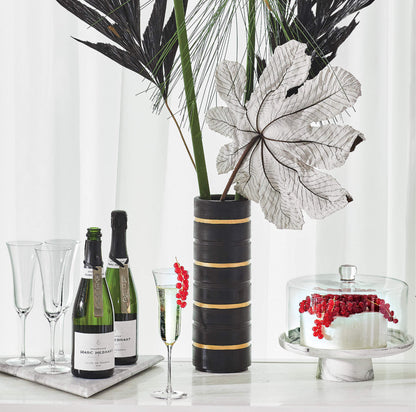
[315, 22]
[261, 65]
[153, 35]
[152, 55]
[119, 56]
[93, 18]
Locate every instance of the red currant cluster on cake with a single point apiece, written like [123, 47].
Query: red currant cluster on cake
[182, 285]
[328, 307]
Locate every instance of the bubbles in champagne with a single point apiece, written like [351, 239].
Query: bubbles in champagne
[170, 315]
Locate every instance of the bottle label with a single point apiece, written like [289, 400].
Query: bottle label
[93, 351]
[97, 276]
[113, 265]
[124, 283]
[125, 338]
[124, 289]
[88, 273]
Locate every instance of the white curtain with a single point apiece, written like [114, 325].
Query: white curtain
[78, 140]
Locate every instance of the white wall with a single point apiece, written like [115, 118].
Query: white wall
[77, 141]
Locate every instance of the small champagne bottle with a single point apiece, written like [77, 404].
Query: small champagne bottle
[123, 293]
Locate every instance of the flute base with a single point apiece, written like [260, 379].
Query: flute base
[61, 359]
[23, 362]
[52, 370]
[169, 395]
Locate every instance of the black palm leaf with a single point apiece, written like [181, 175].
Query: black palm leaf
[151, 56]
[315, 22]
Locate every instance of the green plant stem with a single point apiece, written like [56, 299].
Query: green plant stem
[251, 46]
[180, 131]
[201, 169]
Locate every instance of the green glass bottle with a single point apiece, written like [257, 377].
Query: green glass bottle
[93, 317]
[123, 293]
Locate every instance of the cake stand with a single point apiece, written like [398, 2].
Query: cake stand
[347, 365]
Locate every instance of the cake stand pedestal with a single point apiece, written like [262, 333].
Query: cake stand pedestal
[342, 365]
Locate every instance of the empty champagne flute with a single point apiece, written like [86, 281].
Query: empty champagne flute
[61, 356]
[22, 258]
[52, 260]
[169, 321]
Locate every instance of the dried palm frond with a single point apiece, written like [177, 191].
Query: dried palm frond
[314, 22]
[211, 25]
[318, 23]
[152, 55]
[210, 28]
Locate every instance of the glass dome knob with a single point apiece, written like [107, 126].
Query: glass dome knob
[347, 272]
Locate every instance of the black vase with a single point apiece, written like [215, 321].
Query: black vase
[221, 330]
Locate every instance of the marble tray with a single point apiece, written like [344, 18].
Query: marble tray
[81, 387]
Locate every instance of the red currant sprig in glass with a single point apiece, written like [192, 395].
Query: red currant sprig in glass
[182, 285]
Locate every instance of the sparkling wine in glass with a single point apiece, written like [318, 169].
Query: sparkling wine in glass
[61, 356]
[52, 261]
[23, 258]
[169, 321]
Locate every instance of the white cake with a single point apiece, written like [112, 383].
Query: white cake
[366, 330]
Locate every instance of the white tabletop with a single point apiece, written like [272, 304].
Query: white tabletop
[266, 386]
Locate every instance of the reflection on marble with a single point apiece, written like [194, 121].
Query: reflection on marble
[345, 370]
[77, 386]
[264, 387]
[210, 388]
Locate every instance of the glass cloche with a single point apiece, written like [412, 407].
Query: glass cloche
[347, 311]
[346, 320]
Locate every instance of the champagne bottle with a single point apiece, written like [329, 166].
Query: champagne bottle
[123, 293]
[93, 317]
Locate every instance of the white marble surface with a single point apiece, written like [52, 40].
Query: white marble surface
[82, 387]
[277, 387]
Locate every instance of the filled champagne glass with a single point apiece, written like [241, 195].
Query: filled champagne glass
[169, 322]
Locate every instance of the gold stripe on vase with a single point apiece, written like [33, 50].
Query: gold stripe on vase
[225, 306]
[222, 265]
[222, 221]
[221, 347]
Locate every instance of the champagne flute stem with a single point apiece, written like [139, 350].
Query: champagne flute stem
[169, 385]
[52, 324]
[22, 336]
[61, 351]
